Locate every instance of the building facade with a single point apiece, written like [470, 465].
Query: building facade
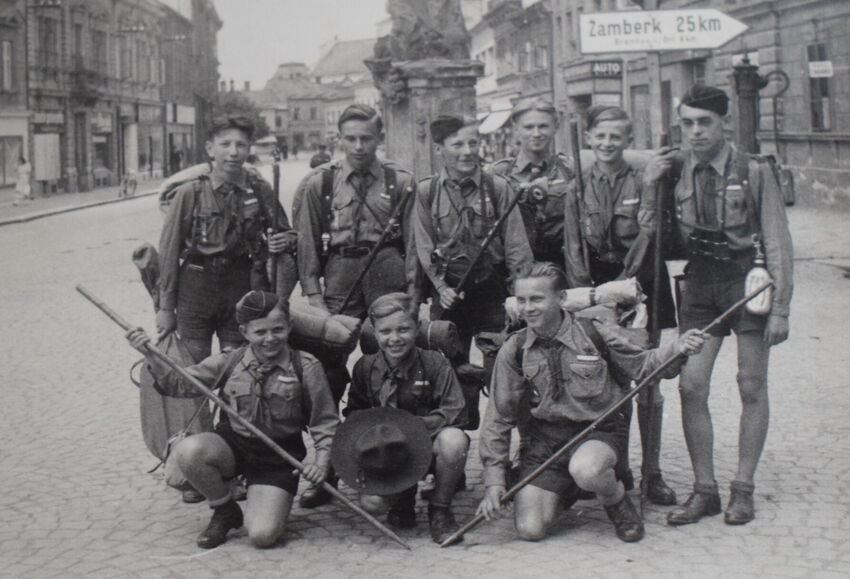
[807, 128]
[14, 113]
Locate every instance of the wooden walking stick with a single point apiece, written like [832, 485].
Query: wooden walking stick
[153, 351]
[575, 134]
[275, 205]
[614, 407]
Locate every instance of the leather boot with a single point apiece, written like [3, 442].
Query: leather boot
[402, 515]
[316, 496]
[626, 519]
[703, 502]
[652, 483]
[741, 509]
[225, 517]
[442, 523]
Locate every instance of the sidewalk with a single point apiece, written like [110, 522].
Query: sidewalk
[64, 202]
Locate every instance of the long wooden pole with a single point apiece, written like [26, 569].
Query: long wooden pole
[153, 351]
[275, 211]
[569, 445]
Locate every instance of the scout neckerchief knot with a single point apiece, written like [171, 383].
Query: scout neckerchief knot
[381, 451]
[552, 348]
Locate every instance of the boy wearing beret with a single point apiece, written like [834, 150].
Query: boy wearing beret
[422, 382]
[728, 209]
[279, 390]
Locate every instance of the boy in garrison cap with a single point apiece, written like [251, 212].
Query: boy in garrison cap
[454, 211]
[728, 208]
[279, 390]
[423, 383]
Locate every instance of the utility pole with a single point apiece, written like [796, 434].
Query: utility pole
[653, 69]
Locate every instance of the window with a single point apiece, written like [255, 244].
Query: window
[819, 91]
[278, 121]
[125, 57]
[296, 114]
[541, 57]
[697, 71]
[47, 53]
[99, 48]
[78, 41]
[313, 113]
[6, 65]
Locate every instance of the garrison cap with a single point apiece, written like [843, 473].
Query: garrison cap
[445, 126]
[254, 305]
[709, 98]
[598, 113]
[533, 104]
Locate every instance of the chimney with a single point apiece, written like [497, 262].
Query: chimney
[231, 85]
[247, 86]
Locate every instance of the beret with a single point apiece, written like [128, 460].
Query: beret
[255, 305]
[445, 126]
[709, 98]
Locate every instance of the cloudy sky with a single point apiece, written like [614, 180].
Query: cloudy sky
[257, 35]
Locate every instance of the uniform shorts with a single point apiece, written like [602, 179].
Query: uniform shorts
[704, 299]
[259, 463]
[542, 440]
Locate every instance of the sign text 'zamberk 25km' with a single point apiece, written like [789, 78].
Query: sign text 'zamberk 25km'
[640, 31]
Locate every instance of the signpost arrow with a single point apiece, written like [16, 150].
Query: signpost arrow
[656, 30]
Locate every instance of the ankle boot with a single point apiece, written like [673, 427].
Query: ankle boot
[703, 502]
[225, 517]
[652, 483]
[626, 519]
[741, 509]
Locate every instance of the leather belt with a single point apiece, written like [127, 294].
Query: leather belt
[219, 262]
[353, 250]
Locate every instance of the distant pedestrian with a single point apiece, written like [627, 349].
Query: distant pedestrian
[320, 158]
[23, 187]
[295, 151]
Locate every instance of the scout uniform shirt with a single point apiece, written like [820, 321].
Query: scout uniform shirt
[270, 396]
[457, 212]
[543, 218]
[615, 218]
[563, 380]
[730, 208]
[213, 217]
[423, 384]
[360, 209]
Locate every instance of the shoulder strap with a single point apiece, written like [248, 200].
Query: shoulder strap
[234, 358]
[520, 351]
[432, 189]
[489, 184]
[327, 198]
[590, 330]
[391, 184]
[297, 364]
[750, 181]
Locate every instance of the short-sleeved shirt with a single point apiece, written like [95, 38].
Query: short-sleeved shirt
[423, 384]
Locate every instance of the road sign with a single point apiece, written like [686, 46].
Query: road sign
[656, 30]
[820, 69]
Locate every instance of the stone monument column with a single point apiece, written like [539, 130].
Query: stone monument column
[422, 69]
[414, 94]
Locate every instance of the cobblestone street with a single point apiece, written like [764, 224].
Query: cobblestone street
[77, 501]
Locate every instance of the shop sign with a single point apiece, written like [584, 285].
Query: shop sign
[820, 69]
[607, 68]
[48, 118]
[101, 122]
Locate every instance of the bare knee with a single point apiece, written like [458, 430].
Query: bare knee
[451, 444]
[374, 505]
[585, 472]
[530, 528]
[193, 451]
[693, 390]
[752, 386]
[264, 536]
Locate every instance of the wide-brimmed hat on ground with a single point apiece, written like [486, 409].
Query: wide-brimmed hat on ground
[381, 451]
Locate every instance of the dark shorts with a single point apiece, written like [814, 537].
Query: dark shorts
[543, 439]
[206, 300]
[705, 297]
[260, 464]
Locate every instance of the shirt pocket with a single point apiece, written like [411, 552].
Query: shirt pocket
[736, 206]
[685, 208]
[284, 397]
[342, 208]
[626, 218]
[588, 379]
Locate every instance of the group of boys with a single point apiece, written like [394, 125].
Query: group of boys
[368, 240]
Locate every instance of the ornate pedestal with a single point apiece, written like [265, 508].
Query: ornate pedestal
[415, 93]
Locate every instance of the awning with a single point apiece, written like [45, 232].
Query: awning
[494, 122]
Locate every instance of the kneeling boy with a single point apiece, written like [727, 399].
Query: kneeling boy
[423, 383]
[279, 390]
[553, 378]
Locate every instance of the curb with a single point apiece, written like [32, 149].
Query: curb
[60, 210]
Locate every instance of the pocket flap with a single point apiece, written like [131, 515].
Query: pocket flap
[586, 370]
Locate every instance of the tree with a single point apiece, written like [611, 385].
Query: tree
[234, 103]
